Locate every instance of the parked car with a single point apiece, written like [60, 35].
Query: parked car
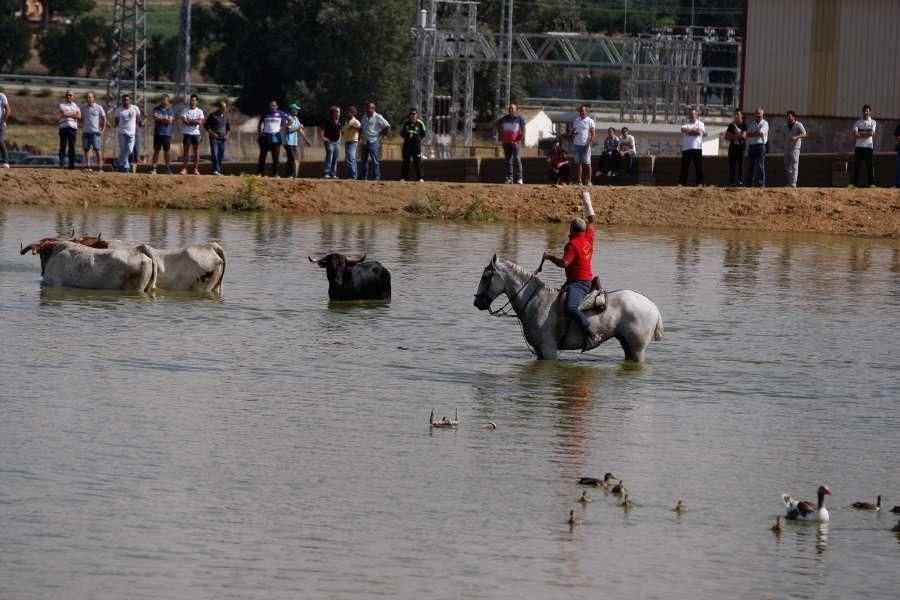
[16, 156]
[33, 161]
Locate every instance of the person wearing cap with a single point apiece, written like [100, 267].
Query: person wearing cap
[413, 132]
[331, 133]
[576, 260]
[350, 134]
[293, 133]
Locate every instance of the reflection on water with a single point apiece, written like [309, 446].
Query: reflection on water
[268, 443]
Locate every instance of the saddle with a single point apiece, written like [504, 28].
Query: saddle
[595, 301]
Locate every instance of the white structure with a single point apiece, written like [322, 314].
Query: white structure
[537, 125]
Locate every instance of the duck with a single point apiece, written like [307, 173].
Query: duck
[896, 510]
[680, 507]
[573, 520]
[802, 510]
[585, 498]
[620, 488]
[444, 422]
[627, 504]
[489, 425]
[778, 527]
[607, 478]
[868, 505]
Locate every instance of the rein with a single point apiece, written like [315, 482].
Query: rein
[506, 309]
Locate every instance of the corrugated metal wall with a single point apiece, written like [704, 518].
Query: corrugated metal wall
[823, 57]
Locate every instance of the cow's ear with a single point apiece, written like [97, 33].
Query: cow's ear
[494, 260]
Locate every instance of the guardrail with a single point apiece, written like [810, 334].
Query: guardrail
[94, 84]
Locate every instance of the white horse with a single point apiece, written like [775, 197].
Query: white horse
[630, 317]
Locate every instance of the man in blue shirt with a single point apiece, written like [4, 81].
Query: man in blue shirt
[270, 129]
[163, 117]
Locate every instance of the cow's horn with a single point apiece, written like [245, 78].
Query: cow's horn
[358, 258]
[315, 260]
[72, 235]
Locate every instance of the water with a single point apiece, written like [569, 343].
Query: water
[267, 445]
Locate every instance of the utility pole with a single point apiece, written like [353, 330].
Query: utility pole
[504, 58]
[183, 69]
[128, 61]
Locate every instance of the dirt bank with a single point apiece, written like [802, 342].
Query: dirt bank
[874, 212]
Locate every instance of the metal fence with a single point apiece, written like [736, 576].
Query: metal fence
[90, 83]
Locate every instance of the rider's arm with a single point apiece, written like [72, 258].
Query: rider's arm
[588, 207]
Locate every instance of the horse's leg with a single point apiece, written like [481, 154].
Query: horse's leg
[626, 348]
[633, 347]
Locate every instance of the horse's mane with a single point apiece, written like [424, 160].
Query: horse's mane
[526, 273]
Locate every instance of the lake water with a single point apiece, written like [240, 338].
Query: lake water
[267, 445]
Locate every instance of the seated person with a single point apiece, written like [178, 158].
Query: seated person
[609, 158]
[627, 150]
[559, 165]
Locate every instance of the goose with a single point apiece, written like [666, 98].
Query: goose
[607, 478]
[585, 498]
[807, 511]
[444, 422]
[620, 488]
[868, 505]
[896, 528]
[896, 510]
[778, 527]
[680, 507]
[489, 425]
[573, 520]
[627, 504]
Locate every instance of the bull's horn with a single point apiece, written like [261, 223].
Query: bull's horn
[315, 260]
[99, 235]
[311, 259]
[358, 258]
[22, 249]
[72, 235]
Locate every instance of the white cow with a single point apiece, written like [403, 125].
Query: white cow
[198, 267]
[77, 265]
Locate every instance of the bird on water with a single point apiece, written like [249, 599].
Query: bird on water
[802, 510]
[869, 505]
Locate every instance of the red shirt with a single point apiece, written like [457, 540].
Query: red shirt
[577, 256]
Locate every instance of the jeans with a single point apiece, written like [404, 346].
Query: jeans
[630, 161]
[735, 164]
[292, 153]
[609, 162]
[332, 149]
[370, 149]
[217, 153]
[350, 159]
[863, 156]
[67, 136]
[513, 162]
[4, 157]
[576, 292]
[756, 162]
[687, 158]
[126, 145]
[792, 165]
[266, 145]
[411, 152]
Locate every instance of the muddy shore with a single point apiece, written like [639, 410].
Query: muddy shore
[870, 212]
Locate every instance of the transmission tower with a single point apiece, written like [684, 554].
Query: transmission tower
[128, 62]
[504, 59]
[183, 69]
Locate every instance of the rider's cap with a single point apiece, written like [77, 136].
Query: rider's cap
[577, 225]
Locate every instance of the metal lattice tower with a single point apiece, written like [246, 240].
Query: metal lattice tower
[502, 93]
[128, 62]
[183, 69]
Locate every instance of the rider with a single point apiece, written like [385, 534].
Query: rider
[576, 260]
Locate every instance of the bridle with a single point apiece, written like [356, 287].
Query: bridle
[506, 309]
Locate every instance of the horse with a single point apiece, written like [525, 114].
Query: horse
[629, 317]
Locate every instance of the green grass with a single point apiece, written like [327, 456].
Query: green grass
[478, 211]
[431, 208]
[248, 198]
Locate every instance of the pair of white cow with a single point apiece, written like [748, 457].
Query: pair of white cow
[120, 265]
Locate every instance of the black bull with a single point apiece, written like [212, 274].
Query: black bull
[353, 279]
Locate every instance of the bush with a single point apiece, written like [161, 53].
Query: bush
[478, 211]
[431, 208]
[248, 198]
[44, 93]
[25, 91]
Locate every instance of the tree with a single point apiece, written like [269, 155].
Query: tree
[162, 56]
[15, 40]
[82, 45]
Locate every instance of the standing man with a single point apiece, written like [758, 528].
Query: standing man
[863, 131]
[628, 149]
[92, 134]
[584, 131]
[163, 119]
[351, 139]
[576, 260]
[374, 127]
[692, 134]
[511, 128]
[293, 132]
[413, 132]
[794, 132]
[127, 117]
[736, 148]
[68, 116]
[331, 133]
[4, 114]
[757, 135]
[192, 119]
[270, 131]
[217, 128]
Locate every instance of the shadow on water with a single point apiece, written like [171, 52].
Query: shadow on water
[54, 295]
[347, 306]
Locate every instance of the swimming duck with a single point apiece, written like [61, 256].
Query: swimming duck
[489, 425]
[620, 488]
[585, 498]
[573, 520]
[607, 479]
[444, 422]
[868, 505]
[680, 507]
[806, 511]
[896, 510]
[778, 527]
[626, 502]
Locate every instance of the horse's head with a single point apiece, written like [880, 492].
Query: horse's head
[490, 286]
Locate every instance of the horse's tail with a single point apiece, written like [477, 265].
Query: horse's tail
[658, 330]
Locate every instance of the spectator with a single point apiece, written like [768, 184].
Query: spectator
[374, 127]
[94, 126]
[4, 114]
[69, 114]
[896, 147]
[863, 131]
[136, 150]
[692, 148]
[794, 132]
[511, 128]
[627, 149]
[217, 128]
[757, 137]
[413, 132]
[331, 133]
[351, 138]
[192, 119]
[270, 131]
[609, 159]
[736, 148]
[126, 126]
[559, 165]
[293, 133]
[585, 131]
[163, 119]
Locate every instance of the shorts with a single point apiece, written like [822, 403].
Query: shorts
[90, 141]
[162, 142]
[581, 154]
[189, 139]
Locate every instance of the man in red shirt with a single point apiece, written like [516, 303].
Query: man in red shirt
[576, 260]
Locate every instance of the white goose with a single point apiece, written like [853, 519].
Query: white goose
[807, 511]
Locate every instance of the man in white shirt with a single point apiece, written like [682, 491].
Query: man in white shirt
[757, 135]
[628, 149]
[794, 132]
[374, 127]
[864, 131]
[4, 113]
[192, 118]
[584, 131]
[127, 117]
[94, 125]
[692, 148]
[68, 116]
